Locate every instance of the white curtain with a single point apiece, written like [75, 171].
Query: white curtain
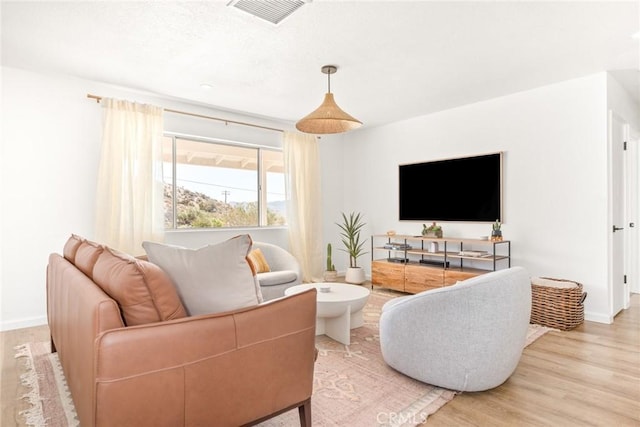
[304, 204]
[129, 206]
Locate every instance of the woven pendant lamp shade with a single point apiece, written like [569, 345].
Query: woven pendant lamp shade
[328, 117]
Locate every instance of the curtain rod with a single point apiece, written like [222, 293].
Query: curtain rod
[99, 98]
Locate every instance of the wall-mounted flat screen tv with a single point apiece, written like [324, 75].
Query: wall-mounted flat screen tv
[459, 189]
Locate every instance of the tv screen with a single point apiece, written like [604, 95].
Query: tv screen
[460, 189]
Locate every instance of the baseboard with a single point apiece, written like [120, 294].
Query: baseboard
[598, 317]
[342, 273]
[23, 323]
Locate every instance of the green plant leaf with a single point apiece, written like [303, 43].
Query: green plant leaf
[351, 227]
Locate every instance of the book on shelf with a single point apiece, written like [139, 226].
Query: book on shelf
[397, 246]
[473, 253]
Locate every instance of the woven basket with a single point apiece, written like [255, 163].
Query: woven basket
[560, 308]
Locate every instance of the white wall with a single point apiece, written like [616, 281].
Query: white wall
[49, 165]
[554, 139]
[555, 182]
[50, 151]
[333, 187]
[622, 102]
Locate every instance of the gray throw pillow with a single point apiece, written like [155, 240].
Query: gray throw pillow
[210, 279]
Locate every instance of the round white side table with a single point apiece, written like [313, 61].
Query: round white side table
[339, 310]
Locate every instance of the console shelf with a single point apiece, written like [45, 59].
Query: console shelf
[415, 263]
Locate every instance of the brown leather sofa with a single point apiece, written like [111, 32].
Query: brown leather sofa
[132, 357]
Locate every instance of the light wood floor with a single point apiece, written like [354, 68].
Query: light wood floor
[587, 376]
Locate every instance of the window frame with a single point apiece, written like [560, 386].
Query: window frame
[261, 173]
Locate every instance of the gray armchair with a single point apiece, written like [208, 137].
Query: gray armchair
[285, 271]
[466, 337]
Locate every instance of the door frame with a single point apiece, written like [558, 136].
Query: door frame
[632, 190]
[620, 207]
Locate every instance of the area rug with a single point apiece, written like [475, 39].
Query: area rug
[352, 384]
[49, 396]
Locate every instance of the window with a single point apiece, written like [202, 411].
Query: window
[212, 184]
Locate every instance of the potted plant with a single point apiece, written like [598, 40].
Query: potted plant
[432, 231]
[350, 233]
[496, 232]
[330, 274]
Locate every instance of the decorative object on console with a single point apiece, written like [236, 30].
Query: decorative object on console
[473, 253]
[330, 275]
[432, 231]
[496, 232]
[442, 264]
[328, 117]
[397, 246]
[351, 228]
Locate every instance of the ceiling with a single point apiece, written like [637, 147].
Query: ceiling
[395, 59]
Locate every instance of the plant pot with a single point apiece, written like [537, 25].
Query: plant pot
[330, 276]
[355, 275]
[433, 234]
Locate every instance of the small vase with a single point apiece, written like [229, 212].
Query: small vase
[433, 234]
[330, 276]
[496, 235]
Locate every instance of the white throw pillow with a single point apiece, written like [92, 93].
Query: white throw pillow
[211, 279]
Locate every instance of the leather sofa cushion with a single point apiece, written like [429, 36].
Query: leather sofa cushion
[274, 278]
[143, 291]
[86, 256]
[71, 248]
[211, 279]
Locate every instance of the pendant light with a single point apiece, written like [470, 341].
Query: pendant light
[328, 117]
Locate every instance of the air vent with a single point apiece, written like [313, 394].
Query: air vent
[273, 11]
